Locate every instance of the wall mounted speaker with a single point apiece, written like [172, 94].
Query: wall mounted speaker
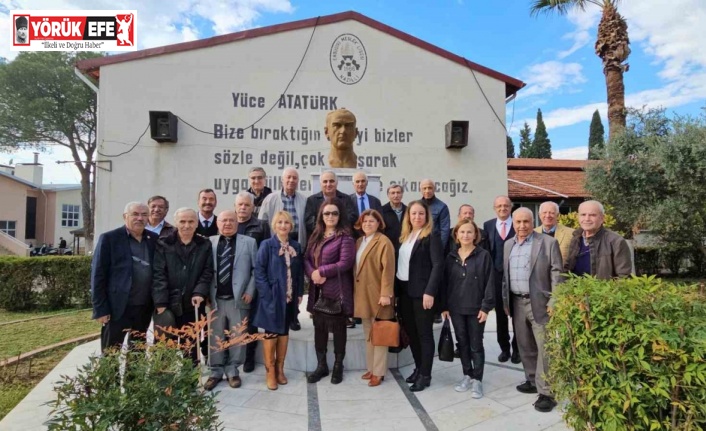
[163, 126]
[456, 134]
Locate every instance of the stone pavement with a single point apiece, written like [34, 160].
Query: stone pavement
[351, 405]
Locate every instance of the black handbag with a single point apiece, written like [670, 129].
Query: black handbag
[446, 343]
[330, 306]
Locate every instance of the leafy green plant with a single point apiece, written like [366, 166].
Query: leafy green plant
[629, 354]
[647, 260]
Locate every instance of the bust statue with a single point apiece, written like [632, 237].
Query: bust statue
[341, 131]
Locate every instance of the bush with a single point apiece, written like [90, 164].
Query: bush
[647, 260]
[629, 354]
[45, 283]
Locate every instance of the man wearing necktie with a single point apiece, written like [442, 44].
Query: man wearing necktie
[361, 199]
[208, 222]
[499, 231]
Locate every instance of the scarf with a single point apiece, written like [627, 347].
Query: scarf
[288, 252]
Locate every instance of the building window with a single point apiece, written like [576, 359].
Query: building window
[9, 227]
[69, 215]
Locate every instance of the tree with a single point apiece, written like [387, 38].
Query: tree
[43, 103]
[596, 137]
[542, 145]
[612, 46]
[510, 148]
[526, 146]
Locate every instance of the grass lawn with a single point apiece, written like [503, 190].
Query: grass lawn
[24, 337]
[9, 316]
[17, 381]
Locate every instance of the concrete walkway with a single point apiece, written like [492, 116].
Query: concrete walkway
[351, 405]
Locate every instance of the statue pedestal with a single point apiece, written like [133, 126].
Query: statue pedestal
[301, 355]
[345, 181]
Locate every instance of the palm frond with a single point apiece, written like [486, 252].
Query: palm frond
[561, 7]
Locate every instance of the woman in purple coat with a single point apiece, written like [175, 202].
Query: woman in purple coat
[330, 256]
[279, 279]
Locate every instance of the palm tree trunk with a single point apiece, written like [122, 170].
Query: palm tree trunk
[616, 101]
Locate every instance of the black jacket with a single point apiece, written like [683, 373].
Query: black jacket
[257, 229]
[393, 227]
[212, 228]
[468, 286]
[313, 203]
[426, 267]
[177, 276]
[258, 201]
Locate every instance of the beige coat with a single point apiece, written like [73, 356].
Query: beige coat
[374, 277]
[563, 235]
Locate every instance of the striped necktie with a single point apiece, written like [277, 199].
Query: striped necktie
[225, 264]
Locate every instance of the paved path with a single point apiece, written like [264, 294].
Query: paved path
[351, 405]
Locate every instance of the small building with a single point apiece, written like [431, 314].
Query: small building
[33, 212]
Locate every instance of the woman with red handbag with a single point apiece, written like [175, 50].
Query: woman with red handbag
[374, 288]
[330, 256]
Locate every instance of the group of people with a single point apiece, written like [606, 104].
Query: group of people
[362, 259]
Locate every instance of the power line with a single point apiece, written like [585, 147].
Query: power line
[484, 96]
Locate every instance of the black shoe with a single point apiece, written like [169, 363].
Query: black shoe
[358, 320]
[544, 404]
[457, 354]
[249, 366]
[321, 370]
[527, 387]
[350, 324]
[295, 325]
[504, 356]
[413, 377]
[337, 373]
[420, 384]
[515, 359]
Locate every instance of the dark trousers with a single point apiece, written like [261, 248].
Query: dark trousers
[185, 319]
[323, 325]
[135, 318]
[418, 323]
[469, 334]
[501, 318]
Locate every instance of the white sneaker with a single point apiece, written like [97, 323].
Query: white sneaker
[464, 384]
[476, 389]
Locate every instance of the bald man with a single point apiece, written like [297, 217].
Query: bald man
[439, 210]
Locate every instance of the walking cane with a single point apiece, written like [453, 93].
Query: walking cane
[198, 336]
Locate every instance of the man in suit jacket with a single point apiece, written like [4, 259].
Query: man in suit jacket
[232, 289]
[157, 223]
[393, 214]
[532, 270]
[208, 222]
[361, 200]
[499, 230]
[329, 189]
[549, 216]
[121, 277]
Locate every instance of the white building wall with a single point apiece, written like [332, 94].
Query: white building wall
[69, 197]
[405, 88]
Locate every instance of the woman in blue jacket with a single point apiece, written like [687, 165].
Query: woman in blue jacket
[279, 279]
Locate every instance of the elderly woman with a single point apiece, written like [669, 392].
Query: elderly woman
[420, 268]
[330, 257]
[374, 287]
[279, 280]
[469, 295]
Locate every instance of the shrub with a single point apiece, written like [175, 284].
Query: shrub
[46, 283]
[647, 260]
[629, 354]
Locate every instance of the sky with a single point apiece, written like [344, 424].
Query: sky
[553, 54]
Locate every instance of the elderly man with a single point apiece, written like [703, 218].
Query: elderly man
[549, 216]
[207, 202]
[532, 270]
[157, 223]
[329, 189]
[290, 200]
[439, 210]
[466, 211]
[258, 230]
[392, 215]
[361, 199]
[232, 289]
[121, 277]
[595, 250]
[500, 230]
[341, 130]
[183, 271]
[257, 178]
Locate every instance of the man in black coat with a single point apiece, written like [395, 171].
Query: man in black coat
[207, 202]
[393, 214]
[121, 277]
[183, 270]
[329, 189]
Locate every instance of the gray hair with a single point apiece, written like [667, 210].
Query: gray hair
[184, 210]
[257, 169]
[556, 206]
[246, 194]
[596, 203]
[523, 210]
[288, 169]
[328, 171]
[359, 173]
[132, 204]
[466, 205]
[507, 198]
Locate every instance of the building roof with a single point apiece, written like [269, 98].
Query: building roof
[92, 66]
[19, 180]
[61, 187]
[530, 179]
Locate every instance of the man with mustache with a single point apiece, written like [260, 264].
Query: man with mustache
[207, 219]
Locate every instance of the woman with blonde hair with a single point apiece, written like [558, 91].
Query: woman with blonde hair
[419, 273]
[279, 279]
[374, 287]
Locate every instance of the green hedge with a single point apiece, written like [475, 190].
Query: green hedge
[44, 283]
[629, 354]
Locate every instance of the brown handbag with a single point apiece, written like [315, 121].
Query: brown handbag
[385, 333]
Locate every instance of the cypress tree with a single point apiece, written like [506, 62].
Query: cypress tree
[596, 137]
[526, 147]
[510, 148]
[542, 145]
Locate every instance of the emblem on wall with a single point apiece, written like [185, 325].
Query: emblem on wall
[348, 59]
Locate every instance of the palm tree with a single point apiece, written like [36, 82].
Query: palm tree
[612, 46]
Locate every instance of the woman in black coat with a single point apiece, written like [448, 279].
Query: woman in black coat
[469, 295]
[419, 273]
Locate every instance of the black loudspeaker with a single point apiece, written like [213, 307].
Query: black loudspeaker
[456, 134]
[163, 126]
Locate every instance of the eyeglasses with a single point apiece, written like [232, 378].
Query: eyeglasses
[330, 214]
